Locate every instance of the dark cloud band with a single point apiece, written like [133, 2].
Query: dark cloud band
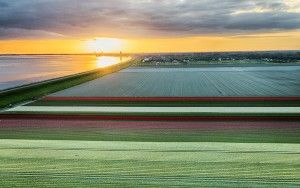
[52, 18]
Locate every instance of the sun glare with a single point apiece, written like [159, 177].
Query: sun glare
[105, 61]
[104, 45]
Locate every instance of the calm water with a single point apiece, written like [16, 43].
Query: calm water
[19, 70]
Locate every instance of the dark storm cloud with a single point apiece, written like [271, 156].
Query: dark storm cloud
[53, 18]
[3, 4]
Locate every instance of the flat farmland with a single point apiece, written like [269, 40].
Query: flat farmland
[215, 126]
[70, 153]
[46, 163]
[189, 82]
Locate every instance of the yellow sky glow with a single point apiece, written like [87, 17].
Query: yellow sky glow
[273, 41]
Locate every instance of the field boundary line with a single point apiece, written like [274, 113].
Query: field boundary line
[147, 118]
[175, 99]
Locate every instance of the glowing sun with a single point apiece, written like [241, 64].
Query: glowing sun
[105, 45]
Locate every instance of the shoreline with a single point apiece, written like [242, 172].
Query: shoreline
[36, 90]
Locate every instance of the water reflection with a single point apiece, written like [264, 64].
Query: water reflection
[104, 61]
[16, 70]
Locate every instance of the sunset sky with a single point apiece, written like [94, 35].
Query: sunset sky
[75, 26]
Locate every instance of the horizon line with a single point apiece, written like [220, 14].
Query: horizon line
[142, 53]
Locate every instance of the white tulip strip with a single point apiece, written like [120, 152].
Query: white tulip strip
[109, 109]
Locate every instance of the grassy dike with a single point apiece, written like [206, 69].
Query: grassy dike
[35, 90]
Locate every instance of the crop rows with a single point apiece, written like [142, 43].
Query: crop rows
[191, 83]
[50, 163]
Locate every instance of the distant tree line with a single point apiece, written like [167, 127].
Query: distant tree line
[193, 58]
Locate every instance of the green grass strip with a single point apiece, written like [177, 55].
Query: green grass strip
[42, 163]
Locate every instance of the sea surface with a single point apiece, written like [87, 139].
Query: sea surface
[17, 70]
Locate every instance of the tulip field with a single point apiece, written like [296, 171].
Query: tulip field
[159, 127]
